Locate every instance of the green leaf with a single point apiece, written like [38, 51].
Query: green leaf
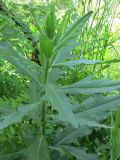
[98, 108]
[46, 45]
[22, 64]
[15, 155]
[39, 150]
[54, 75]
[65, 52]
[77, 62]
[61, 103]
[73, 30]
[70, 134]
[89, 86]
[91, 123]
[80, 153]
[17, 116]
[68, 38]
[50, 22]
[34, 92]
[64, 23]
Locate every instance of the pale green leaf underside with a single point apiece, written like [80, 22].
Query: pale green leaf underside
[70, 134]
[89, 86]
[39, 150]
[77, 62]
[17, 116]
[68, 38]
[73, 29]
[99, 108]
[80, 153]
[61, 103]
[22, 64]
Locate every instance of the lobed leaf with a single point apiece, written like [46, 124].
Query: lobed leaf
[89, 86]
[99, 108]
[46, 45]
[17, 115]
[77, 62]
[70, 134]
[80, 153]
[68, 38]
[22, 64]
[61, 104]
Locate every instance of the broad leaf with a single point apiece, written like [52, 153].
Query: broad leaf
[70, 134]
[89, 86]
[50, 22]
[15, 155]
[65, 52]
[99, 108]
[34, 92]
[17, 115]
[54, 75]
[22, 64]
[46, 45]
[39, 150]
[64, 23]
[73, 29]
[77, 62]
[79, 153]
[61, 104]
[68, 38]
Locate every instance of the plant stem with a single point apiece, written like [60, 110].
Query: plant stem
[46, 72]
[43, 105]
[43, 119]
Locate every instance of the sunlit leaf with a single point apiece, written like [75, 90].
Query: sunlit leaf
[70, 35]
[46, 45]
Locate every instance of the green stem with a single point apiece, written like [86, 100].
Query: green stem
[43, 119]
[43, 105]
[46, 72]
